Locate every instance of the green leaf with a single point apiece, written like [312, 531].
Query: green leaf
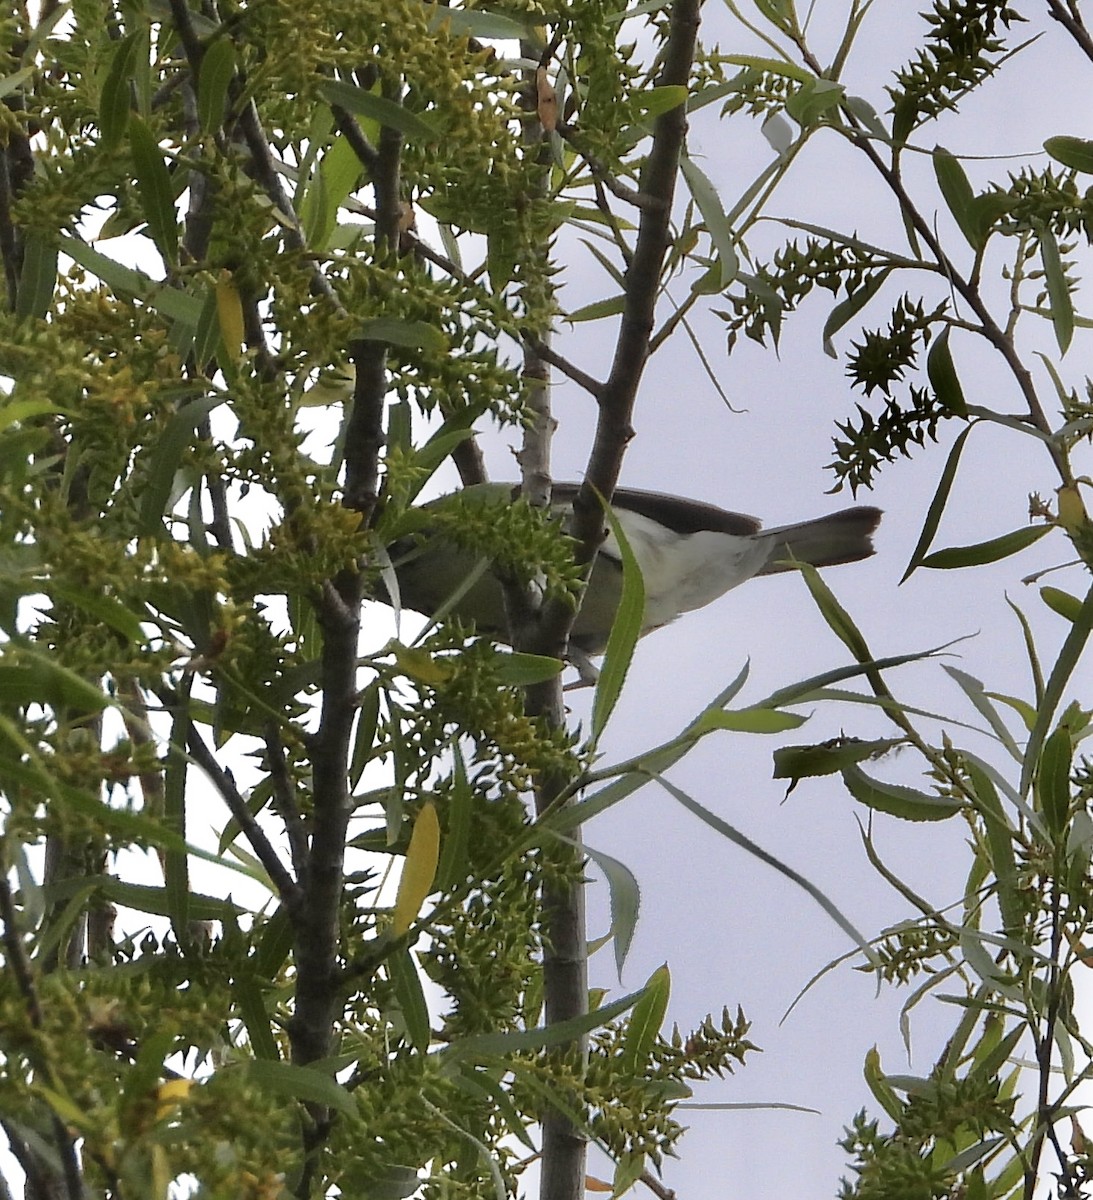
[958, 195]
[937, 505]
[176, 872]
[645, 1022]
[977, 694]
[943, 376]
[459, 812]
[466, 22]
[776, 66]
[171, 302]
[115, 103]
[1063, 603]
[37, 278]
[625, 900]
[36, 679]
[154, 188]
[999, 833]
[250, 1004]
[1058, 290]
[1053, 780]
[1073, 152]
[414, 335]
[850, 307]
[610, 307]
[411, 997]
[299, 1083]
[903, 802]
[838, 619]
[378, 108]
[659, 100]
[107, 609]
[217, 71]
[750, 720]
[714, 218]
[882, 1091]
[518, 670]
[985, 552]
[745, 843]
[337, 175]
[625, 630]
[813, 100]
[492, 1045]
[166, 455]
[828, 758]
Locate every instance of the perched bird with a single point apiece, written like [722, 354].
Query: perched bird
[689, 554]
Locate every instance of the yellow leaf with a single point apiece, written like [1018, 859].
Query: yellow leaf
[420, 665]
[170, 1095]
[1072, 514]
[419, 870]
[229, 313]
[546, 101]
[592, 1184]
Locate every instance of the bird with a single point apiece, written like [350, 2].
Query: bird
[689, 553]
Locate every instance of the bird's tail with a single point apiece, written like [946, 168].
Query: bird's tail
[840, 537]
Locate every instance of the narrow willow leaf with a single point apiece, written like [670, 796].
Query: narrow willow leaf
[808, 762]
[476, 23]
[249, 1002]
[645, 1021]
[625, 901]
[454, 864]
[1053, 780]
[1061, 602]
[176, 863]
[977, 694]
[812, 101]
[1000, 834]
[300, 1083]
[610, 307]
[985, 552]
[750, 720]
[878, 1084]
[943, 376]
[229, 316]
[958, 194]
[414, 335]
[177, 305]
[519, 670]
[937, 505]
[850, 307]
[903, 802]
[1058, 290]
[1073, 152]
[419, 869]
[776, 66]
[838, 619]
[37, 277]
[330, 185]
[115, 102]
[714, 218]
[659, 100]
[217, 71]
[410, 996]
[154, 188]
[745, 843]
[378, 108]
[485, 1046]
[166, 454]
[625, 630]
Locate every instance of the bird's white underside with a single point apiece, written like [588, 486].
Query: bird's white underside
[682, 573]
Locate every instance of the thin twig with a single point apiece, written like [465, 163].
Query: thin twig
[286, 886]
